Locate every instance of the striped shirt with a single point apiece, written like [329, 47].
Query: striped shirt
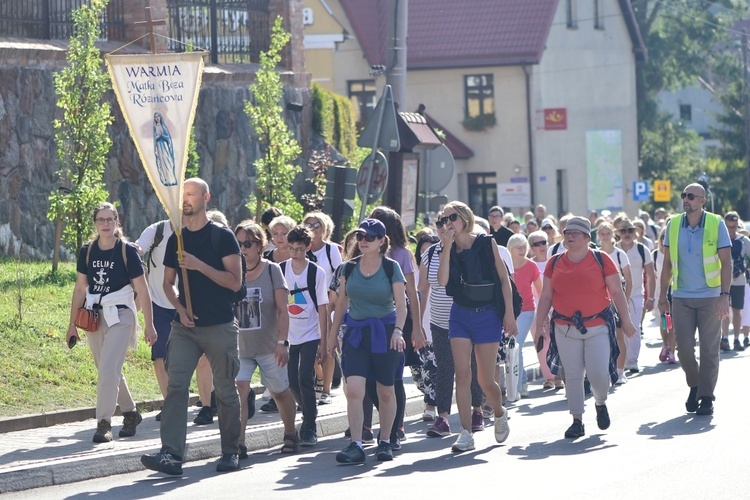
[440, 303]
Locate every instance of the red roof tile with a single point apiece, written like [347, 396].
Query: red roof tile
[450, 33]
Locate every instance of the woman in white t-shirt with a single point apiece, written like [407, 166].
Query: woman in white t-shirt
[605, 233]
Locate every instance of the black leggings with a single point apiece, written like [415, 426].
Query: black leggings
[446, 371]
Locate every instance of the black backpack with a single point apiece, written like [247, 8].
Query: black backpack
[148, 254]
[311, 279]
[215, 236]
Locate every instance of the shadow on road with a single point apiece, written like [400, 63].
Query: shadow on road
[684, 425]
[562, 447]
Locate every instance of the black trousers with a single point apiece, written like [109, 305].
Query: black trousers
[301, 370]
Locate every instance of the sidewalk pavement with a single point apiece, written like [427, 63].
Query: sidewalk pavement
[64, 452]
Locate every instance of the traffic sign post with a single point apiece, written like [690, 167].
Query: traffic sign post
[384, 134]
[662, 191]
[339, 202]
[640, 191]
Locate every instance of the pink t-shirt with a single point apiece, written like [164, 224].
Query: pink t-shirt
[525, 278]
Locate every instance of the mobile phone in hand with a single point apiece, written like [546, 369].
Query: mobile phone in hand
[72, 342]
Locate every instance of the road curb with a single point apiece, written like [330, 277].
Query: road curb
[64, 471]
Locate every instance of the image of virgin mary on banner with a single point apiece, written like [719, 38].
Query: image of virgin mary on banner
[158, 95]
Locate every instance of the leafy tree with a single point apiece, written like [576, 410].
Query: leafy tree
[681, 37]
[274, 170]
[193, 159]
[670, 151]
[81, 135]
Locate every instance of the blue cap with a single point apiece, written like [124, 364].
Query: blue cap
[373, 227]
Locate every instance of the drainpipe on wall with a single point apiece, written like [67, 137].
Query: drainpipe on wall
[530, 129]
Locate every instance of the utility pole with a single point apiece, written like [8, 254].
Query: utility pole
[746, 97]
[396, 58]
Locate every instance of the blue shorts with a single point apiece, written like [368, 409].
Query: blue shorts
[481, 325]
[163, 325]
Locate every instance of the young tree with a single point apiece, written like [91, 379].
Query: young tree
[81, 135]
[274, 170]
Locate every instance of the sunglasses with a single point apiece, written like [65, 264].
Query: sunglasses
[444, 220]
[367, 237]
[572, 232]
[539, 243]
[247, 243]
[628, 230]
[690, 196]
[547, 228]
[314, 225]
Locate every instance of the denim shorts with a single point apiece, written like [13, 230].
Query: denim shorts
[275, 378]
[481, 325]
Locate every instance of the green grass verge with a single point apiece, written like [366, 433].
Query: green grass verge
[38, 373]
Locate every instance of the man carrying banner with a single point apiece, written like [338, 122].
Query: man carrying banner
[211, 257]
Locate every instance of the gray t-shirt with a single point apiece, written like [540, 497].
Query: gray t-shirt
[256, 313]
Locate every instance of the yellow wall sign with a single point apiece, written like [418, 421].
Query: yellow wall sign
[662, 191]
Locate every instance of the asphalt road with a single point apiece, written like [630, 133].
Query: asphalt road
[653, 449]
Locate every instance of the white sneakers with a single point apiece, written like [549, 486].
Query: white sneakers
[502, 431]
[465, 442]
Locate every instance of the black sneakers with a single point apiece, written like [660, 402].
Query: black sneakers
[576, 430]
[270, 407]
[602, 416]
[103, 432]
[352, 454]
[706, 407]
[130, 420]
[163, 462]
[228, 462]
[738, 345]
[243, 452]
[308, 437]
[384, 453]
[204, 417]
[724, 345]
[691, 405]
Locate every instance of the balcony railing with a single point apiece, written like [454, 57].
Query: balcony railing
[234, 31]
[53, 20]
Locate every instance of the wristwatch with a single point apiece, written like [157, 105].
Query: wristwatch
[285, 343]
[724, 293]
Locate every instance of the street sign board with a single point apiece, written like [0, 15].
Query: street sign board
[379, 179]
[662, 191]
[385, 132]
[640, 191]
[514, 194]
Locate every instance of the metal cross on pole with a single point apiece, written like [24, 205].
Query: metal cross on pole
[150, 23]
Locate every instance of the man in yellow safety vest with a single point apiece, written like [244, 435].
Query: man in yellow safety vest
[698, 265]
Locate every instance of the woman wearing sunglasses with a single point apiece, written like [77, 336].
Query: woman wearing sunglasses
[538, 250]
[606, 236]
[264, 327]
[466, 271]
[372, 305]
[580, 285]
